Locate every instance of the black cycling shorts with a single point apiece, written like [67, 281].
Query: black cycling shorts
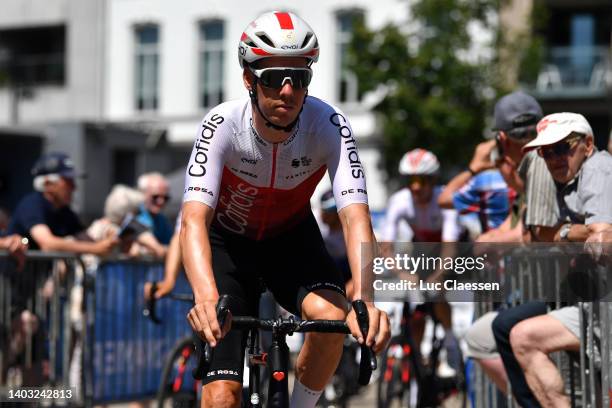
[290, 265]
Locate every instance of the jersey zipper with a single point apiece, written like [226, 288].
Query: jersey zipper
[262, 226]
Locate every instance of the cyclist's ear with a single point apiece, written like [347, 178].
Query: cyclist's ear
[248, 79]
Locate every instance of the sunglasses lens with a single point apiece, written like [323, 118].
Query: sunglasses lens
[559, 149]
[159, 197]
[275, 78]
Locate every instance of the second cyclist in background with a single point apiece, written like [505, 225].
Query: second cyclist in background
[417, 206]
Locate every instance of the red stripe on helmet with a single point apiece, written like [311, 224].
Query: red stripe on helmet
[243, 37]
[259, 51]
[417, 155]
[311, 53]
[284, 19]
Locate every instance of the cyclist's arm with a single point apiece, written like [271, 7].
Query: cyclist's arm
[202, 186]
[197, 259]
[172, 268]
[357, 230]
[445, 199]
[195, 250]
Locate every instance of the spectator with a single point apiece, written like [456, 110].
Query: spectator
[566, 142]
[480, 190]
[16, 246]
[155, 188]
[121, 205]
[45, 217]
[4, 221]
[516, 116]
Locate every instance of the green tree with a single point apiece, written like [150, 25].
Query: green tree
[435, 98]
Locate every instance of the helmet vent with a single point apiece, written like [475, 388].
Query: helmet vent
[265, 39]
[306, 39]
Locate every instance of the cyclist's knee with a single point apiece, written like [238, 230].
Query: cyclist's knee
[224, 394]
[324, 304]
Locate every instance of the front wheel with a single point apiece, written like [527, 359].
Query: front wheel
[395, 376]
[177, 360]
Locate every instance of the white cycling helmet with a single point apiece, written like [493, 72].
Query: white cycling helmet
[419, 162]
[277, 34]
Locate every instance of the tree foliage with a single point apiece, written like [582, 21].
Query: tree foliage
[434, 98]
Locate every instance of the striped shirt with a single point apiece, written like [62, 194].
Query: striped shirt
[540, 192]
[487, 196]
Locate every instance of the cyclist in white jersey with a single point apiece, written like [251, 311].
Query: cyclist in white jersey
[417, 205]
[246, 210]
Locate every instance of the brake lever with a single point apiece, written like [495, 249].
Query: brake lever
[368, 362]
[203, 350]
[149, 309]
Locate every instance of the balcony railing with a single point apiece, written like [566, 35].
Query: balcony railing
[575, 70]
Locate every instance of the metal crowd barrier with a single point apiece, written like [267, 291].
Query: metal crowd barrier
[40, 294]
[91, 331]
[527, 276]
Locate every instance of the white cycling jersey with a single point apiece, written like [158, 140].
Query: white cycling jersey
[259, 189]
[428, 223]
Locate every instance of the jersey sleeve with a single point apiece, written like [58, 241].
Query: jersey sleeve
[208, 156]
[345, 170]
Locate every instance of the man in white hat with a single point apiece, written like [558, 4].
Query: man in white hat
[584, 193]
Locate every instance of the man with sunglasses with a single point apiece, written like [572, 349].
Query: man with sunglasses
[246, 210]
[155, 188]
[584, 194]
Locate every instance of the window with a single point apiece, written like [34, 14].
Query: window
[211, 63]
[33, 56]
[347, 86]
[147, 67]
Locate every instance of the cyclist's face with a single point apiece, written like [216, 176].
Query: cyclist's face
[280, 105]
[421, 188]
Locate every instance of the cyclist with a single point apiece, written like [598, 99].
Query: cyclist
[246, 210]
[417, 205]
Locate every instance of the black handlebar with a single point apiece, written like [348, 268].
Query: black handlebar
[368, 357]
[289, 326]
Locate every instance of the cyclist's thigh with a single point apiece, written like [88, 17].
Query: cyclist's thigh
[298, 263]
[230, 260]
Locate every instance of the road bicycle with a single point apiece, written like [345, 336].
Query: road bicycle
[275, 360]
[402, 366]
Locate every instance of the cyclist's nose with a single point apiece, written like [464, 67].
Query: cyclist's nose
[286, 88]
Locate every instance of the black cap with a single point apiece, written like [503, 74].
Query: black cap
[54, 163]
[516, 110]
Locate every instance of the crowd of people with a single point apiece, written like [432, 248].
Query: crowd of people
[540, 179]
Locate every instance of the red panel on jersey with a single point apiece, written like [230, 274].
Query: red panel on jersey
[262, 212]
[284, 19]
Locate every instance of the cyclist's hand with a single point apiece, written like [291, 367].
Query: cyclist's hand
[379, 331]
[163, 288]
[203, 320]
